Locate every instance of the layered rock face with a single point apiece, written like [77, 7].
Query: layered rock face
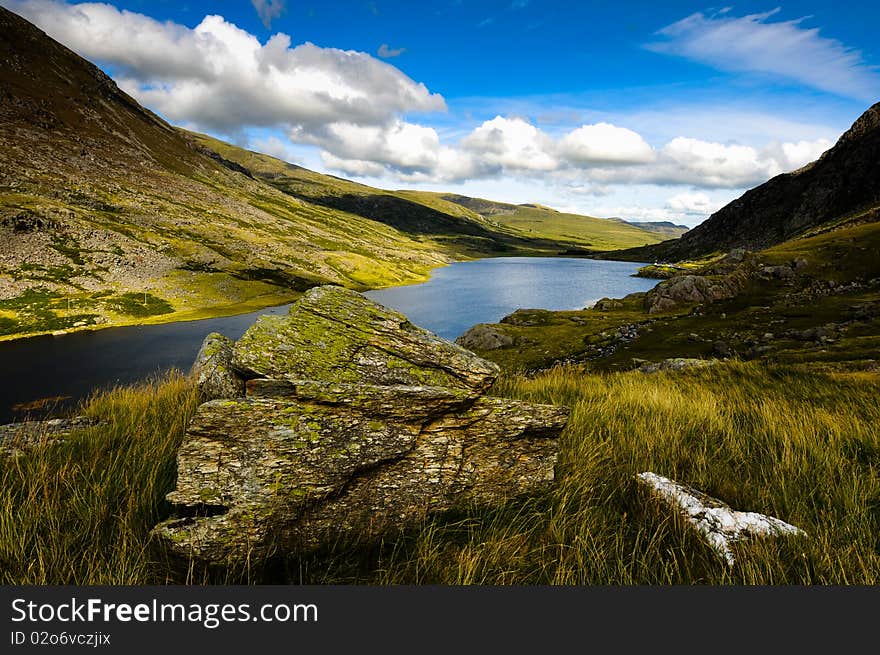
[353, 423]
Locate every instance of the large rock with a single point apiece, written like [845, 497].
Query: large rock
[18, 438]
[294, 470]
[692, 289]
[337, 335]
[356, 424]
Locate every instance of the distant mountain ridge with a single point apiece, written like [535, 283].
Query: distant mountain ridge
[667, 229]
[842, 185]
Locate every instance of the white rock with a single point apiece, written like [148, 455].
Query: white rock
[717, 522]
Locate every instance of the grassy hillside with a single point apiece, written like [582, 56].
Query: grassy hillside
[537, 221]
[111, 216]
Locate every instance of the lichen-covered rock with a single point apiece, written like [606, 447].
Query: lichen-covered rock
[213, 370]
[484, 337]
[717, 522]
[296, 464]
[337, 335]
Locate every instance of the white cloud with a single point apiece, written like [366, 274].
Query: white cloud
[268, 10]
[786, 49]
[273, 146]
[221, 77]
[603, 143]
[693, 204]
[715, 164]
[387, 52]
[412, 151]
[357, 111]
[512, 144]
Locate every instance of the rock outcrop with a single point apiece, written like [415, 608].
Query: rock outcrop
[213, 370]
[353, 423]
[692, 290]
[717, 522]
[484, 337]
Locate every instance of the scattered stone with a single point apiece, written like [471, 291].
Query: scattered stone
[676, 364]
[717, 522]
[484, 337]
[213, 370]
[722, 349]
[784, 273]
[17, 438]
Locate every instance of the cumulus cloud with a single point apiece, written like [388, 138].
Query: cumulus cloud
[586, 160]
[387, 52]
[357, 109]
[787, 49]
[273, 146]
[512, 144]
[605, 144]
[268, 10]
[223, 78]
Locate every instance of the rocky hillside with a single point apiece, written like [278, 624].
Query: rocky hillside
[109, 215]
[843, 185]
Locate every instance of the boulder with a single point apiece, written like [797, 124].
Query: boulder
[484, 337]
[691, 289]
[213, 370]
[392, 426]
[337, 335]
[607, 304]
[717, 522]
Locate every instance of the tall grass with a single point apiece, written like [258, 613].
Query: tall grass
[80, 512]
[800, 445]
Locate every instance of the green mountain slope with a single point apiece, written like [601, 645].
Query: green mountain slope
[108, 215]
[537, 221]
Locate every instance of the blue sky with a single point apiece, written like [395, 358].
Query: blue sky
[644, 110]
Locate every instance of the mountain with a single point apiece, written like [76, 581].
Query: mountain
[666, 229]
[842, 186]
[582, 232]
[109, 215]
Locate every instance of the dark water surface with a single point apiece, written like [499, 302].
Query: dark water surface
[458, 296]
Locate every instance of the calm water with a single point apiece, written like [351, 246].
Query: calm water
[486, 290]
[457, 297]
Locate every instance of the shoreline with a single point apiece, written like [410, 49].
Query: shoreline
[256, 303]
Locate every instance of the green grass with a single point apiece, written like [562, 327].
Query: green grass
[807, 451]
[80, 512]
[138, 304]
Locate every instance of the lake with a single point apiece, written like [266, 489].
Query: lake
[69, 367]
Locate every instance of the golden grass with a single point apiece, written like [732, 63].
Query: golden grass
[797, 444]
